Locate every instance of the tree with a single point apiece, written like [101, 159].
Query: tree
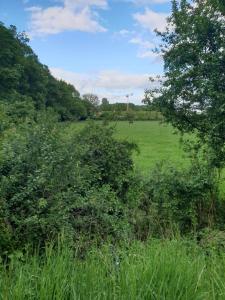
[192, 93]
[92, 98]
[105, 106]
[10, 54]
[21, 74]
[24, 79]
[105, 101]
[65, 100]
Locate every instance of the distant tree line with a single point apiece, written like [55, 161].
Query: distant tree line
[106, 106]
[126, 112]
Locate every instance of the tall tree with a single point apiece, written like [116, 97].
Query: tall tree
[192, 93]
[105, 104]
[92, 98]
[24, 79]
[105, 101]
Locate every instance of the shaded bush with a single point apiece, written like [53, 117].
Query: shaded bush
[185, 200]
[212, 240]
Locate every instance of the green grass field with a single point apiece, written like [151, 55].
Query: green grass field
[156, 142]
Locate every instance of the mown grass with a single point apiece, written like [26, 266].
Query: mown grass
[156, 270]
[156, 142]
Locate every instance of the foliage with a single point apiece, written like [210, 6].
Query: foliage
[4, 124]
[212, 241]
[105, 104]
[92, 103]
[65, 100]
[99, 216]
[192, 91]
[109, 159]
[24, 79]
[186, 199]
[135, 115]
[50, 184]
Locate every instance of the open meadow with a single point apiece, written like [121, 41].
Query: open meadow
[156, 141]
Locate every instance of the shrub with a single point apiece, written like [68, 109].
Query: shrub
[212, 240]
[109, 160]
[50, 184]
[100, 215]
[182, 199]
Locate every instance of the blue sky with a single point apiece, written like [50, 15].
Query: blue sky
[100, 46]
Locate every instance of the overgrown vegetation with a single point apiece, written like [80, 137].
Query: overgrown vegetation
[84, 184]
[51, 184]
[125, 235]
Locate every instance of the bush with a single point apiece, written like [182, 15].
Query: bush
[51, 184]
[179, 199]
[109, 160]
[212, 240]
[100, 215]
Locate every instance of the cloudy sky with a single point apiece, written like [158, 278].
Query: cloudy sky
[100, 46]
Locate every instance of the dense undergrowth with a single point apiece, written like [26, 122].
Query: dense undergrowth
[85, 185]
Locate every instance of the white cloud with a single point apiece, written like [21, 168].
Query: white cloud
[71, 15]
[146, 2]
[151, 20]
[115, 80]
[143, 43]
[109, 83]
[150, 54]
[82, 3]
[123, 32]
[146, 48]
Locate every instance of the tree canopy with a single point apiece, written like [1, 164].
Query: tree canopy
[23, 78]
[192, 93]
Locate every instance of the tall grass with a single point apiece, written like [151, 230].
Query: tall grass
[156, 270]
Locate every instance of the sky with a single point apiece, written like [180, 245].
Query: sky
[100, 46]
